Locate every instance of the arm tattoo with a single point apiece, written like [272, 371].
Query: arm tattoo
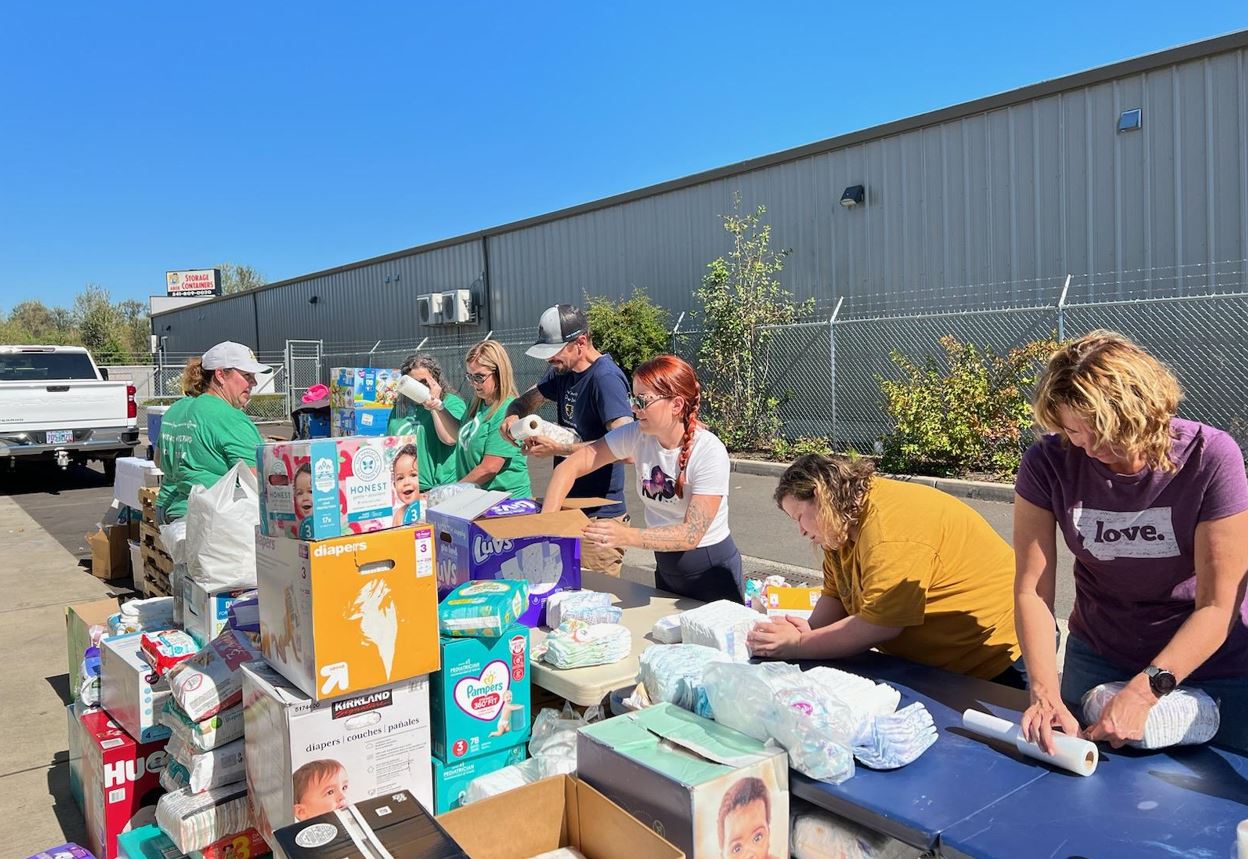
[526, 404]
[679, 537]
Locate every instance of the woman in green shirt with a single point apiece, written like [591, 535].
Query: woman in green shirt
[482, 455]
[201, 441]
[434, 422]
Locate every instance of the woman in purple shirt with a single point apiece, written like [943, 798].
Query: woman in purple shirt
[1155, 510]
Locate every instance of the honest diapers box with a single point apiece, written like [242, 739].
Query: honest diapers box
[314, 489]
[205, 612]
[710, 790]
[304, 758]
[360, 400]
[395, 825]
[799, 602]
[343, 615]
[120, 781]
[451, 778]
[481, 695]
[130, 690]
[481, 536]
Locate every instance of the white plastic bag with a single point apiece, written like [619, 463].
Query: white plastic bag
[173, 536]
[221, 525]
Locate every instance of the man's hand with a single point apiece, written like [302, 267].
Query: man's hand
[541, 446]
[504, 429]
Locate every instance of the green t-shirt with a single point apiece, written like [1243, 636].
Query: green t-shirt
[479, 438]
[436, 458]
[199, 444]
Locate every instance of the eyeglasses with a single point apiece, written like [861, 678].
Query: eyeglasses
[476, 378]
[641, 403]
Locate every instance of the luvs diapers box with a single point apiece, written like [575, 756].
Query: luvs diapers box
[710, 790]
[130, 690]
[360, 400]
[481, 695]
[304, 758]
[483, 537]
[314, 489]
[120, 781]
[339, 616]
[451, 778]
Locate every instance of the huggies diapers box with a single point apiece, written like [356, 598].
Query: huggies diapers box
[451, 778]
[130, 690]
[304, 759]
[120, 781]
[343, 615]
[319, 488]
[481, 696]
[482, 537]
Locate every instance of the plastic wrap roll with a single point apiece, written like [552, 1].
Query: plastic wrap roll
[1073, 754]
[532, 426]
[415, 391]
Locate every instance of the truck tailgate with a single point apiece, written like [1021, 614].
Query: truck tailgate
[57, 405]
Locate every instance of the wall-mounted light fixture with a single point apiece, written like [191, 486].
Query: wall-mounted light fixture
[314, 299]
[853, 196]
[1131, 120]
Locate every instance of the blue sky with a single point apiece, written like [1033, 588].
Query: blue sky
[135, 138]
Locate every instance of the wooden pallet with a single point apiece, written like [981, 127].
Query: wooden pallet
[155, 574]
[147, 497]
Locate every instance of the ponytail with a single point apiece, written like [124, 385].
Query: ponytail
[195, 379]
[673, 377]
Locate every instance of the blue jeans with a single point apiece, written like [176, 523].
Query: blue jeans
[1085, 668]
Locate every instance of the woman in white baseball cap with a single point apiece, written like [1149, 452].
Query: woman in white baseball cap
[205, 433]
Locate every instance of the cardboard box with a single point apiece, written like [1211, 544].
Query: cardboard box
[315, 489]
[132, 475]
[707, 802]
[481, 695]
[451, 778]
[130, 690]
[205, 612]
[360, 400]
[64, 851]
[79, 618]
[483, 536]
[75, 755]
[340, 616]
[305, 758]
[150, 842]
[562, 811]
[110, 551]
[358, 422]
[799, 602]
[395, 825]
[120, 781]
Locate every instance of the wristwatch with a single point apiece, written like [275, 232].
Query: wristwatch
[1160, 680]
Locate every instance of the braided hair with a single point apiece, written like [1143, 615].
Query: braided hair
[671, 376]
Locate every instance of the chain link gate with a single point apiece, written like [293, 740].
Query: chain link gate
[303, 369]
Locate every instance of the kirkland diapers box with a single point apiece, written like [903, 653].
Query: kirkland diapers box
[483, 537]
[557, 813]
[710, 790]
[206, 612]
[395, 825]
[481, 697]
[130, 690]
[320, 488]
[451, 778]
[360, 400]
[120, 781]
[304, 759]
[339, 616]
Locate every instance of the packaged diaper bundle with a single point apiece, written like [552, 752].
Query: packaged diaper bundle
[193, 821]
[215, 768]
[244, 614]
[723, 624]
[666, 630]
[1185, 717]
[576, 644]
[483, 609]
[166, 648]
[539, 564]
[589, 606]
[210, 681]
[140, 615]
[823, 835]
[673, 673]
[756, 590]
[217, 730]
[887, 738]
[863, 695]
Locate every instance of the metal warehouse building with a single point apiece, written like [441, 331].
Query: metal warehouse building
[1132, 179]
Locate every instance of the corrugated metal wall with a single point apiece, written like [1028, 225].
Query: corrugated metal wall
[990, 208]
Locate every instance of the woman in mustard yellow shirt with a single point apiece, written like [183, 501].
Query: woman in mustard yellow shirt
[907, 569]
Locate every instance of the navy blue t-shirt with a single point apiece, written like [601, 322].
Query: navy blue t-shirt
[587, 402]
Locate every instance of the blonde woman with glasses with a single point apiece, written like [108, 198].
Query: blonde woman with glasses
[1155, 509]
[482, 455]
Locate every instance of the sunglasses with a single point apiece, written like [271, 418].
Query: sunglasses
[641, 403]
[476, 378]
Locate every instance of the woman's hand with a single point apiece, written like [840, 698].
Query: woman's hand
[433, 404]
[1047, 711]
[540, 446]
[779, 638]
[1124, 716]
[608, 533]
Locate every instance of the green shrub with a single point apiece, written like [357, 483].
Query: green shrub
[784, 450]
[633, 330]
[969, 413]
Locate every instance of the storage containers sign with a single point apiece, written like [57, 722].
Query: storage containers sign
[190, 283]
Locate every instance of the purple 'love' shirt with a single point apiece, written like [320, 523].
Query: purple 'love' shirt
[1133, 537]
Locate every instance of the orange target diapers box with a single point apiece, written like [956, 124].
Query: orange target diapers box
[352, 613]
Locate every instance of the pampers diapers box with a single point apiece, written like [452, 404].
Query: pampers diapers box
[481, 696]
[340, 616]
[360, 400]
[304, 758]
[320, 488]
[451, 778]
[483, 535]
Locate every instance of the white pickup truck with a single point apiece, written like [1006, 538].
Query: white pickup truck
[56, 404]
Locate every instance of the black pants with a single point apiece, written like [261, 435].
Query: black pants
[707, 574]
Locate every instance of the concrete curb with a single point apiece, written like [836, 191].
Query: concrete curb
[981, 490]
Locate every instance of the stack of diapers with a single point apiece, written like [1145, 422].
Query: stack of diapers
[224, 727]
[140, 615]
[576, 644]
[673, 673]
[539, 564]
[589, 606]
[723, 625]
[199, 770]
[887, 738]
[666, 630]
[823, 835]
[1185, 717]
[482, 609]
[194, 821]
[210, 681]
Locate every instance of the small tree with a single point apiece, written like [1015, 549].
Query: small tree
[100, 324]
[739, 296]
[239, 278]
[633, 330]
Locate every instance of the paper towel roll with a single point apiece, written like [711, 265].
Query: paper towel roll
[532, 425]
[415, 391]
[1073, 754]
[1241, 839]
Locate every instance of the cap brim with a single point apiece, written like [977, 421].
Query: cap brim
[544, 351]
[254, 367]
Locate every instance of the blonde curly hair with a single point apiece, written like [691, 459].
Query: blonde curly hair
[1126, 395]
[837, 485]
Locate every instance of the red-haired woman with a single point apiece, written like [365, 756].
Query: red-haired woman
[682, 477]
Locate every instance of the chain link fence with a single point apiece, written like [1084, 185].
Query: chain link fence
[162, 385]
